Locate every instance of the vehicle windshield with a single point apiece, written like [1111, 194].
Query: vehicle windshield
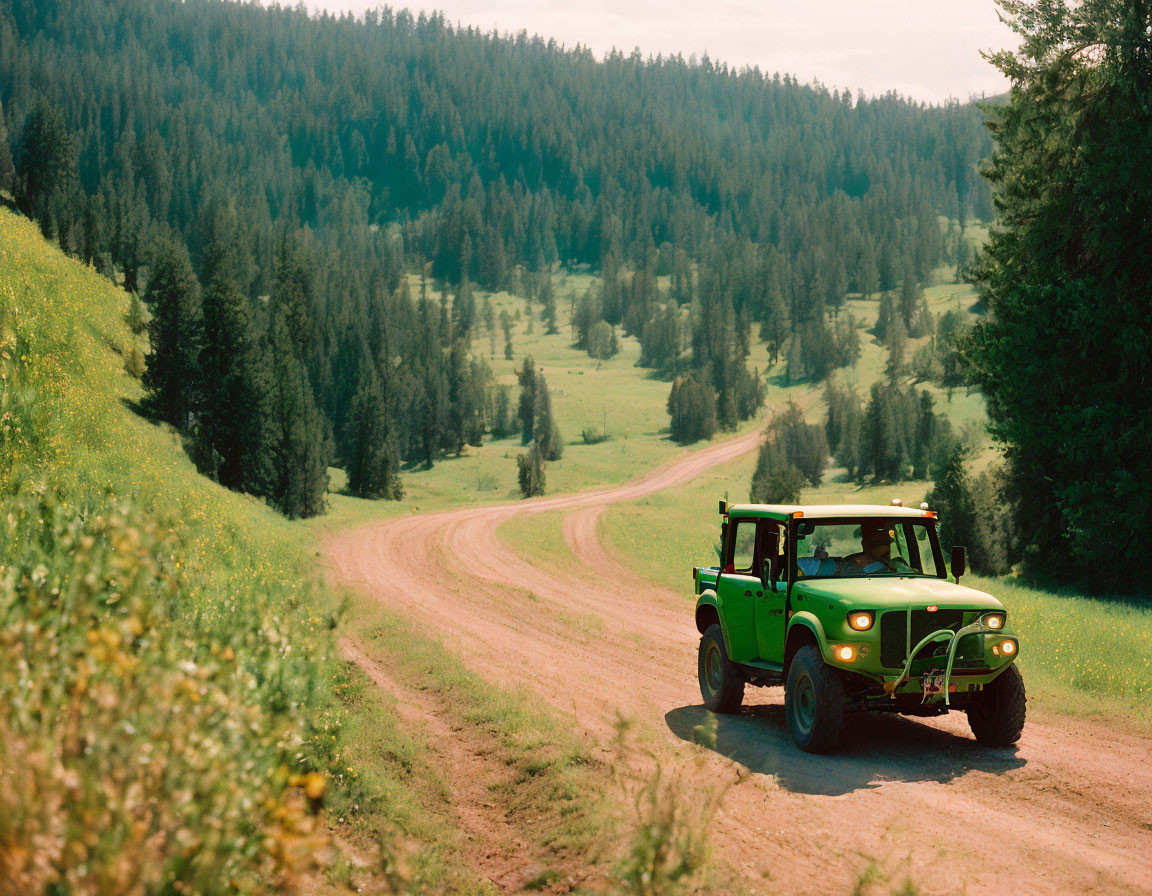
[867, 547]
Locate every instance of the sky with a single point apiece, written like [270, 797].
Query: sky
[927, 50]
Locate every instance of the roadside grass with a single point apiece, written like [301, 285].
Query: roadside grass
[1081, 655]
[393, 794]
[556, 774]
[539, 539]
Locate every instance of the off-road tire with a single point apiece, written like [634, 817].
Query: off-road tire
[721, 682]
[813, 702]
[996, 714]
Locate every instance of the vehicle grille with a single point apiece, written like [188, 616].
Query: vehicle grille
[894, 643]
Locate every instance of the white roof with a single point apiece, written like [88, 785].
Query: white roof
[818, 511]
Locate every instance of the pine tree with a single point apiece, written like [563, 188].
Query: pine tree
[884, 317]
[897, 343]
[1066, 274]
[883, 434]
[172, 379]
[46, 170]
[527, 380]
[531, 473]
[692, 407]
[926, 436]
[951, 498]
[790, 442]
[910, 296]
[7, 168]
[842, 426]
[775, 480]
[373, 463]
[134, 317]
[234, 438]
[503, 424]
[546, 434]
[602, 343]
[548, 301]
[774, 326]
[301, 446]
[506, 326]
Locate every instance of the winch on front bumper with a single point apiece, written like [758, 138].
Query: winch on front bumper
[930, 657]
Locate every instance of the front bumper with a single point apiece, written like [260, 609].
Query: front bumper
[930, 667]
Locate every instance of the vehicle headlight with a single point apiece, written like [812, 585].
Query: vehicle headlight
[994, 620]
[1007, 647]
[846, 653]
[861, 620]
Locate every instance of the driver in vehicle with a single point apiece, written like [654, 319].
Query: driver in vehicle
[876, 556]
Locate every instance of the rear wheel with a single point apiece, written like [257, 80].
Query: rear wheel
[721, 683]
[813, 702]
[996, 715]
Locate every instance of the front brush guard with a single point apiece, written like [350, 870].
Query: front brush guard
[945, 633]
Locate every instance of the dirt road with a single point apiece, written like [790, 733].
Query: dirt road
[1069, 810]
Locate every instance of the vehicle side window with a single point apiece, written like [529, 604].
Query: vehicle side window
[923, 546]
[742, 550]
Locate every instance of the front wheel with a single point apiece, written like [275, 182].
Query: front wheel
[813, 702]
[997, 715]
[721, 683]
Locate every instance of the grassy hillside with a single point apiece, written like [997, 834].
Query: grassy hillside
[171, 686]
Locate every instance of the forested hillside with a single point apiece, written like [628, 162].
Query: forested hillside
[267, 179]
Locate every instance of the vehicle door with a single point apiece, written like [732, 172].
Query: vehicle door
[771, 620]
[737, 587]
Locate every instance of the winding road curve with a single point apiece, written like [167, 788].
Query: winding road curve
[1069, 810]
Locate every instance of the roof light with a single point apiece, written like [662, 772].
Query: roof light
[896, 502]
[923, 505]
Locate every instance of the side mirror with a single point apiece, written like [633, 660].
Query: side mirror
[959, 555]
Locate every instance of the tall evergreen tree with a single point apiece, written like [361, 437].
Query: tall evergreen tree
[692, 408]
[7, 167]
[951, 498]
[46, 170]
[172, 380]
[234, 436]
[506, 326]
[503, 423]
[1064, 356]
[527, 380]
[301, 447]
[548, 303]
[546, 434]
[373, 462]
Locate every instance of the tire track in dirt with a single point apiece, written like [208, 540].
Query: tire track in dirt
[920, 799]
[501, 847]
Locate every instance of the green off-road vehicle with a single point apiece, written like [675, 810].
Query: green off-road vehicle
[850, 609]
